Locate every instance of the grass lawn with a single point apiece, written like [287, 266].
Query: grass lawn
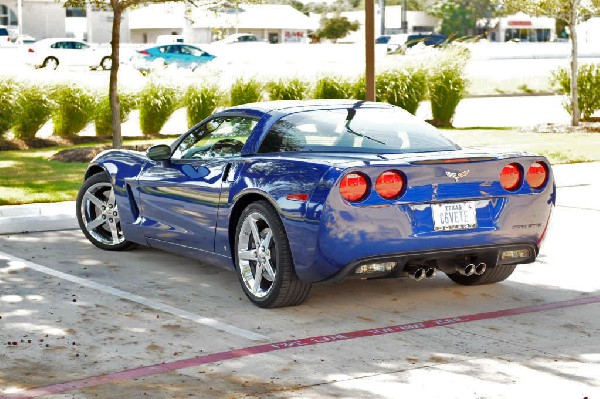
[28, 176]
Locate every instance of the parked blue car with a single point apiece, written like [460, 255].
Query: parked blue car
[181, 54]
[292, 193]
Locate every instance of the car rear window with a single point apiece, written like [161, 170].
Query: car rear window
[366, 130]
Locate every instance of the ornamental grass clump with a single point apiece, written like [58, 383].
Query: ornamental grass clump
[588, 88]
[74, 109]
[32, 109]
[405, 88]
[157, 103]
[447, 86]
[103, 113]
[201, 101]
[287, 89]
[244, 91]
[332, 87]
[9, 90]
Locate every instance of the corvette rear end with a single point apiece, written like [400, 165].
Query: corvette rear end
[463, 215]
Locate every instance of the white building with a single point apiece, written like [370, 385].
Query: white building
[269, 22]
[588, 32]
[417, 21]
[49, 18]
[521, 27]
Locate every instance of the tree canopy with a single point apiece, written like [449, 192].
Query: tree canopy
[336, 27]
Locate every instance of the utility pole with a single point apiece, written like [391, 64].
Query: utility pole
[404, 20]
[382, 11]
[370, 50]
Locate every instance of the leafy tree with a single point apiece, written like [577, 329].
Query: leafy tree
[118, 7]
[572, 12]
[459, 16]
[336, 27]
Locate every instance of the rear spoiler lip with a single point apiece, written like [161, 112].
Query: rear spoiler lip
[446, 161]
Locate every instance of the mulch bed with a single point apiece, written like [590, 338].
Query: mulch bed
[86, 154]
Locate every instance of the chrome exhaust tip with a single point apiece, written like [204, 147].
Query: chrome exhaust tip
[480, 268]
[430, 272]
[467, 270]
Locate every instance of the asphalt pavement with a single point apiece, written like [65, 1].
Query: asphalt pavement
[80, 322]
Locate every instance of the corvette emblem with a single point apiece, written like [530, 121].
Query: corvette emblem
[457, 175]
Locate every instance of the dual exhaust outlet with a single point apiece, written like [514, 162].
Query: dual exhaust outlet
[419, 273]
[471, 269]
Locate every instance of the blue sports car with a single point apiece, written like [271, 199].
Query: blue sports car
[183, 55]
[292, 193]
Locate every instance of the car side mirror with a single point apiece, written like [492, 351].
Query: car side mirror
[159, 152]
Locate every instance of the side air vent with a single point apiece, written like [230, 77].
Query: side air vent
[134, 208]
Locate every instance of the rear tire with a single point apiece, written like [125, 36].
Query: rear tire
[490, 276]
[106, 63]
[50, 63]
[263, 259]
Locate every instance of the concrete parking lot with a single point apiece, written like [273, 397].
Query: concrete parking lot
[79, 322]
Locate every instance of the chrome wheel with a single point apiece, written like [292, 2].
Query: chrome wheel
[100, 214]
[263, 259]
[255, 250]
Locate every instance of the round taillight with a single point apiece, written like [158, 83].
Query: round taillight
[511, 176]
[537, 175]
[354, 186]
[390, 184]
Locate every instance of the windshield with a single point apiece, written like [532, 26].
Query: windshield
[366, 130]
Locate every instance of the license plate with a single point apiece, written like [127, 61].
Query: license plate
[454, 216]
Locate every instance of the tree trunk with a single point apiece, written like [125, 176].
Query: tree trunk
[574, 71]
[113, 94]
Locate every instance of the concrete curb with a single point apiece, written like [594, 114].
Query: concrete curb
[37, 217]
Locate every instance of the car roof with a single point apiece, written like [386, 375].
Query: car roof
[292, 106]
[60, 39]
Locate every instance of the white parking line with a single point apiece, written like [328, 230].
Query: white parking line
[15, 262]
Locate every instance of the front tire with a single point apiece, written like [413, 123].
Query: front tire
[490, 276]
[263, 259]
[98, 215]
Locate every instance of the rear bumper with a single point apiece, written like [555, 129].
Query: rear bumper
[489, 253]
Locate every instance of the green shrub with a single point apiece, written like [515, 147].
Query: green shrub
[8, 93]
[246, 91]
[334, 87]
[33, 108]
[74, 109]
[103, 114]
[201, 101]
[447, 85]
[157, 103]
[405, 88]
[588, 84]
[290, 89]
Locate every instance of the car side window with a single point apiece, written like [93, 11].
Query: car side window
[221, 137]
[80, 46]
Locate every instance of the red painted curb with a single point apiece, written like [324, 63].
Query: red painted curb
[255, 350]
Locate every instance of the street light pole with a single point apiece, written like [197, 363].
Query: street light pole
[370, 50]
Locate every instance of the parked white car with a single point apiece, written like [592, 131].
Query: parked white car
[4, 36]
[50, 53]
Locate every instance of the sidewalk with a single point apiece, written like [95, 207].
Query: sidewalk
[61, 215]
